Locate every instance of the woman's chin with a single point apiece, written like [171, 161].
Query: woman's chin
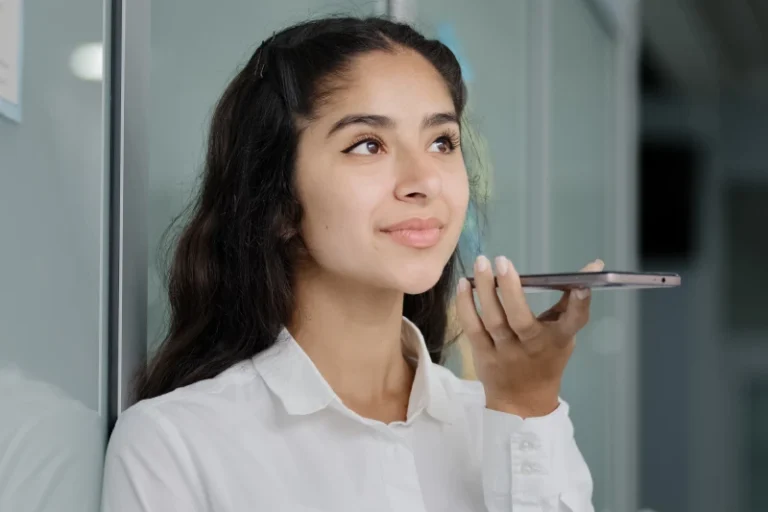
[418, 282]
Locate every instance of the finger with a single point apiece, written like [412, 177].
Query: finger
[491, 311]
[469, 320]
[562, 305]
[549, 316]
[594, 266]
[576, 314]
[519, 315]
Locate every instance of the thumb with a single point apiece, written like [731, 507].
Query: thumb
[562, 305]
[578, 303]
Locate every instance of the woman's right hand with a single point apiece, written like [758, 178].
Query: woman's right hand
[519, 358]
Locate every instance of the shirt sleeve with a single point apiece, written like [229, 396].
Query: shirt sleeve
[533, 465]
[147, 467]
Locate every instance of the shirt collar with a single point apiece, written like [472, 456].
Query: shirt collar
[429, 392]
[295, 380]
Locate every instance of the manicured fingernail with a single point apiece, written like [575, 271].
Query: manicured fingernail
[599, 262]
[502, 265]
[581, 293]
[463, 285]
[482, 264]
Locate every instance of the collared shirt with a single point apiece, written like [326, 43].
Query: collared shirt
[269, 434]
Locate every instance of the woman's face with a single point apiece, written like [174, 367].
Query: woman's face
[380, 177]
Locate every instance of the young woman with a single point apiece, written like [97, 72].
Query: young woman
[309, 296]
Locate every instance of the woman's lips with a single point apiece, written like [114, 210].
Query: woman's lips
[417, 233]
[417, 238]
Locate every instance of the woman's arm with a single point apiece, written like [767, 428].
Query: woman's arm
[528, 464]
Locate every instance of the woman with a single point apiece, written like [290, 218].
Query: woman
[309, 296]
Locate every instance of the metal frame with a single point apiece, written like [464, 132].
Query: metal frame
[105, 262]
[626, 57]
[539, 143]
[130, 58]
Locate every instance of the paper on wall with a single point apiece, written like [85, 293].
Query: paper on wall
[10, 58]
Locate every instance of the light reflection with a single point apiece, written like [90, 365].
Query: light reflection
[87, 62]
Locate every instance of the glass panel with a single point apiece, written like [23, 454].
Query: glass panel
[53, 206]
[582, 182]
[189, 73]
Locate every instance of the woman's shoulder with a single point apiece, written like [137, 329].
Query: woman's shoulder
[155, 451]
[194, 406]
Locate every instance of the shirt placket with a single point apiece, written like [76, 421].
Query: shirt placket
[400, 476]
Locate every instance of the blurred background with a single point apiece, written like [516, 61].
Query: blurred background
[634, 131]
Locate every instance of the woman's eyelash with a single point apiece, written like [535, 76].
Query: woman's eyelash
[453, 138]
[368, 137]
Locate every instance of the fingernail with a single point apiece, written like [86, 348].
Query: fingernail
[599, 262]
[482, 264]
[463, 285]
[502, 265]
[581, 293]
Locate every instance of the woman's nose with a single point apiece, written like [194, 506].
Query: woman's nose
[419, 181]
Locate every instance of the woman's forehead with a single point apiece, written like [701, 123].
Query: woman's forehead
[396, 85]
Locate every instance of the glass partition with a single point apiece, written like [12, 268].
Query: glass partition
[53, 282]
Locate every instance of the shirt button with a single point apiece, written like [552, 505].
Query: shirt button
[526, 446]
[527, 469]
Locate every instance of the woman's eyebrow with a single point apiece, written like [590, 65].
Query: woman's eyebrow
[379, 121]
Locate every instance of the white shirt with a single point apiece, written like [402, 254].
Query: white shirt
[269, 434]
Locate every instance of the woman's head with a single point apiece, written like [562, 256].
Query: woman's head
[380, 176]
[334, 148]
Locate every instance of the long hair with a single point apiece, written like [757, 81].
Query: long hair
[230, 282]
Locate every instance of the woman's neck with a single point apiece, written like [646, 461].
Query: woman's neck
[352, 334]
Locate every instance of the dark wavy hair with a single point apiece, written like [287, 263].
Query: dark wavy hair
[230, 281]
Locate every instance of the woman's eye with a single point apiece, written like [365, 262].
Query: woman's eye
[443, 145]
[366, 147]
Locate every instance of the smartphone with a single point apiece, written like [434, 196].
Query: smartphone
[611, 280]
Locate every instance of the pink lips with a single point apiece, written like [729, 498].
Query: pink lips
[417, 233]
